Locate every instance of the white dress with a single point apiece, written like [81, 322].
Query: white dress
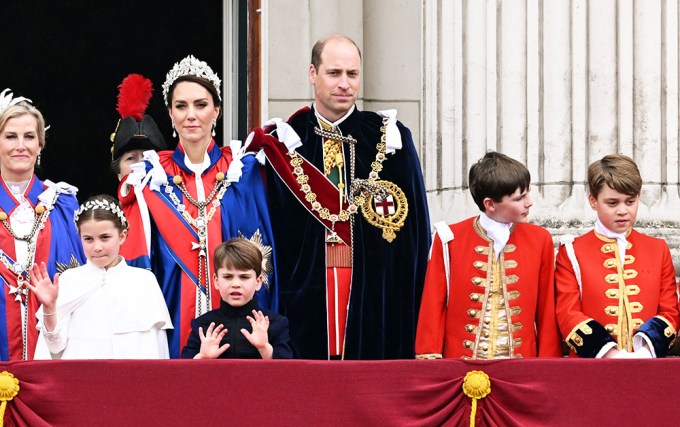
[119, 313]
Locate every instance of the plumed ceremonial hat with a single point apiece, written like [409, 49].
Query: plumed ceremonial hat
[135, 130]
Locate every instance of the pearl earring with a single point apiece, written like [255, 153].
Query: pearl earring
[174, 134]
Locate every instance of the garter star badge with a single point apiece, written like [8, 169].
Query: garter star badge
[267, 264]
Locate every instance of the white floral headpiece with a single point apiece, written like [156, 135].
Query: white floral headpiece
[104, 204]
[190, 66]
[7, 100]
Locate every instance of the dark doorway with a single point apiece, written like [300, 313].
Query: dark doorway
[69, 57]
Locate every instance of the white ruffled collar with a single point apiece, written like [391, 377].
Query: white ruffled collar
[620, 238]
[157, 176]
[197, 168]
[499, 232]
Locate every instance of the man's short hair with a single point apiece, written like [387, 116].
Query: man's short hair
[239, 254]
[619, 172]
[496, 175]
[317, 50]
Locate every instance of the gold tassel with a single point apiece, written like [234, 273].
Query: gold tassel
[476, 385]
[9, 387]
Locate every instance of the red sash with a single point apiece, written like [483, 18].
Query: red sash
[326, 192]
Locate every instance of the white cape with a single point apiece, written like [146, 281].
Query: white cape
[119, 313]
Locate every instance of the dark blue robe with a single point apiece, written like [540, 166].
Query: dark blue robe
[173, 259]
[387, 278]
[57, 245]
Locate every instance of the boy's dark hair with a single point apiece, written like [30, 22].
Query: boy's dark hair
[496, 175]
[619, 172]
[239, 254]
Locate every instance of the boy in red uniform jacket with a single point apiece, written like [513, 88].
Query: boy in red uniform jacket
[616, 290]
[489, 289]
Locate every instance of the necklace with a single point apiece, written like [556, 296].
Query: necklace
[360, 189]
[200, 224]
[21, 270]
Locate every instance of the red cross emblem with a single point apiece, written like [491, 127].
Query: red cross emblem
[384, 207]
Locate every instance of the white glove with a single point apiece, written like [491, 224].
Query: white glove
[622, 354]
[642, 353]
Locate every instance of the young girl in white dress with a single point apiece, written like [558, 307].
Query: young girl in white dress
[104, 309]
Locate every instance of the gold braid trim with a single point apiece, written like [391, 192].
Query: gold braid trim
[576, 338]
[428, 356]
[669, 330]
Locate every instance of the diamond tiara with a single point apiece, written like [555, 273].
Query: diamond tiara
[104, 204]
[190, 66]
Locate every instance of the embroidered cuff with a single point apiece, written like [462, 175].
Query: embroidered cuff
[54, 335]
[660, 332]
[428, 356]
[587, 338]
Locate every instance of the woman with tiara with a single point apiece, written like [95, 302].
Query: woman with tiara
[198, 196]
[37, 224]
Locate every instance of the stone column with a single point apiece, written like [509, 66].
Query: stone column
[555, 84]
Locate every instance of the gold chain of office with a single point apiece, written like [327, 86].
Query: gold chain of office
[354, 202]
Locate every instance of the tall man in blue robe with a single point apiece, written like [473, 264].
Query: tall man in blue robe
[348, 209]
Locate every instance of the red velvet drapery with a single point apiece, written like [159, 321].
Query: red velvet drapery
[548, 392]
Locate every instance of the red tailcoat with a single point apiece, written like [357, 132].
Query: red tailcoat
[453, 329]
[618, 298]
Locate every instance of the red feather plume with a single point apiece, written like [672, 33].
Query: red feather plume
[133, 97]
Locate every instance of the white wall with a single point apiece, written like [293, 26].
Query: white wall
[556, 84]
[387, 31]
